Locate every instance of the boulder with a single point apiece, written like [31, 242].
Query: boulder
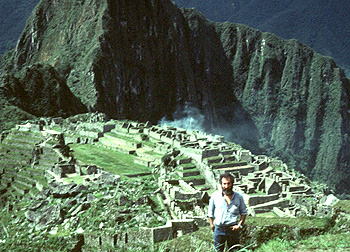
[66, 191]
[329, 200]
[78, 189]
[109, 179]
[80, 208]
[42, 195]
[90, 198]
[91, 169]
[50, 215]
[38, 205]
[70, 202]
[124, 200]
[32, 216]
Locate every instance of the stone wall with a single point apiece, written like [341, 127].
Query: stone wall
[261, 199]
[177, 191]
[143, 235]
[102, 127]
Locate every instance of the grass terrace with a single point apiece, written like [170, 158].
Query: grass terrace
[188, 165]
[120, 136]
[107, 159]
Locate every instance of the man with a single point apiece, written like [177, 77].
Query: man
[227, 212]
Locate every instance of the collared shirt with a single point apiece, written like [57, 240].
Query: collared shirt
[223, 214]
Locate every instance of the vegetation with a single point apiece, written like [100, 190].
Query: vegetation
[278, 109]
[109, 160]
[11, 115]
[326, 242]
[344, 205]
[302, 222]
[114, 210]
[43, 90]
[133, 203]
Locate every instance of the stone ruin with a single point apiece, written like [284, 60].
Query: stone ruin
[266, 183]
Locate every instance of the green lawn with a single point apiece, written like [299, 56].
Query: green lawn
[110, 160]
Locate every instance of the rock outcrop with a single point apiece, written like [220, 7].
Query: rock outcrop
[320, 26]
[144, 60]
[298, 99]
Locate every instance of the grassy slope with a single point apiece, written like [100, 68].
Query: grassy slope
[327, 242]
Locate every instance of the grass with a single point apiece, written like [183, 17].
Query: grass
[109, 160]
[17, 148]
[267, 215]
[153, 153]
[344, 205]
[36, 171]
[301, 222]
[189, 242]
[148, 143]
[20, 186]
[193, 177]
[122, 137]
[189, 170]
[76, 179]
[188, 165]
[327, 242]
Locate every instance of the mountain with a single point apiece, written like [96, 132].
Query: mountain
[322, 25]
[148, 60]
[13, 16]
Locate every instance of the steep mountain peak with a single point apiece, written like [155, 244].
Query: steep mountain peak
[146, 60]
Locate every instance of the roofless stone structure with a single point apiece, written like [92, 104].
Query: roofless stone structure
[188, 163]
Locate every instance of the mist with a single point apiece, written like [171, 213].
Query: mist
[189, 118]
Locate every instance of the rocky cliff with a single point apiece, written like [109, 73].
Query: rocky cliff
[321, 25]
[145, 60]
[298, 99]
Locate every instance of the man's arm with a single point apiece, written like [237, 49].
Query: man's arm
[243, 214]
[211, 213]
[211, 221]
[241, 222]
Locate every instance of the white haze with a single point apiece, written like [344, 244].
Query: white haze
[189, 118]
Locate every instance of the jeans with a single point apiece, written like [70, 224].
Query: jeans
[224, 234]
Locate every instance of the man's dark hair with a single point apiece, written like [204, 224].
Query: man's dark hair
[227, 176]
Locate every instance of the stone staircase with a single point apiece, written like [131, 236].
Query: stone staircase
[17, 176]
[231, 166]
[191, 174]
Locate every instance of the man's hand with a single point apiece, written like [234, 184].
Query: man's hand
[211, 222]
[235, 227]
[212, 226]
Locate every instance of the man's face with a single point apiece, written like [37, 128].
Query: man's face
[226, 185]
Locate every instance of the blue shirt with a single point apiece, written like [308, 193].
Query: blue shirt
[224, 214]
